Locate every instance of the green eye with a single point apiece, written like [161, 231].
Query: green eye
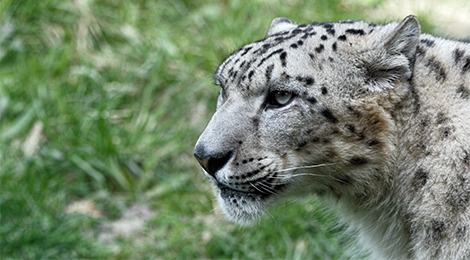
[278, 99]
[282, 97]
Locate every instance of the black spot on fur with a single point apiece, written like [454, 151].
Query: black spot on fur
[243, 64]
[269, 72]
[263, 49]
[324, 90]
[445, 132]
[342, 38]
[300, 145]
[416, 98]
[466, 157]
[466, 66]
[306, 35]
[283, 39]
[252, 173]
[324, 38]
[250, 74]
[300, 42]
[296, 31]
[283, 58]
[420, 51]
[285, 76]
[424, 122]
[373, 142]
[441, 118]
[458, 54]
[356, 160]
[256, 122]
[329, 116]
[459, 194]
[429, 43]
[355, 31]
[331, 31]
[334, 47]
[351, 128]
[437, 68]
[460, 232]
[312, 100]
[246, 51]
[308, 81]
[294, 46]
[463, 92]
[353, 111]
[320, 48]
[270, 55]
[420, 178]
[436, 231]
[361, 136]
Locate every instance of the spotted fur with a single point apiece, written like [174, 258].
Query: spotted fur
[373, 117]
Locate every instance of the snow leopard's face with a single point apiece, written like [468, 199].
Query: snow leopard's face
[302, 111]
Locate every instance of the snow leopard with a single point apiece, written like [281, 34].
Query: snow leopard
[374, 119]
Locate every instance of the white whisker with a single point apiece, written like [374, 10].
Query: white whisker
[267, 188]
[254, 186]
[307, 167]
[287, 177]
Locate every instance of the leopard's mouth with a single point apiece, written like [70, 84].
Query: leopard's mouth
[261, 192]
[245, 206]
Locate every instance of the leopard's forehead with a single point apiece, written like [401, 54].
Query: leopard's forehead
[295, 53]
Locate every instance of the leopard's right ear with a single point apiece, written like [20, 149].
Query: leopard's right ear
[280, 24]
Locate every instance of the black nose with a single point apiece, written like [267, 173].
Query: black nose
[212, 163]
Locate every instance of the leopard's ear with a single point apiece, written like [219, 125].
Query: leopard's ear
[392, 59]
[280, 24]
[404, 39]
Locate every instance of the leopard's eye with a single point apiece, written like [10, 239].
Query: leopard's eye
[278, 99]
[282, 97]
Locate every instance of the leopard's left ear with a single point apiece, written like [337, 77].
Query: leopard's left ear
[404, 39]
[392, 59]
[280, 24]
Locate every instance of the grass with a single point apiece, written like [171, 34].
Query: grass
[102, 101]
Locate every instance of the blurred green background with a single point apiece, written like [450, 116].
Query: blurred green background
[101, 103]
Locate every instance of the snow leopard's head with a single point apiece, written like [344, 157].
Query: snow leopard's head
[306, 110]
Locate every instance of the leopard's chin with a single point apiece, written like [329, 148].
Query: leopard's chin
[244, 207]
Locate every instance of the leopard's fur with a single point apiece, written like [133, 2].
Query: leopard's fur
[374, 117]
